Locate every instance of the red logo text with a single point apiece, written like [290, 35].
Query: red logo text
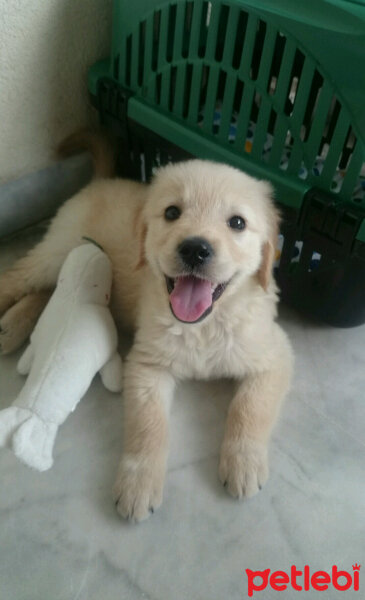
[303, 580]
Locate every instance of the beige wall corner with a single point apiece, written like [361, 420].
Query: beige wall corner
[46, 48]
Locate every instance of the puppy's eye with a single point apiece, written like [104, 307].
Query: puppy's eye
[172, 213]
[237, 222]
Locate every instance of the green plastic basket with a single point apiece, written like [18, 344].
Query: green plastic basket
[273, 87]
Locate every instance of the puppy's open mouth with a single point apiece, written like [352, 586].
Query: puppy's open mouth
[192, 298]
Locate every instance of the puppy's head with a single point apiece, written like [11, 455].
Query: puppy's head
[207, 227]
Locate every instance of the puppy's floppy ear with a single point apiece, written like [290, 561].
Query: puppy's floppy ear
[140, 230]
[269, 247]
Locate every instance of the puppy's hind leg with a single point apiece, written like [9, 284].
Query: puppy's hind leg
[37, 273]
[26, 287]
[39, 269]
[19, 321]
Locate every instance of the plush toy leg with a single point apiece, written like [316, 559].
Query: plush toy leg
[25, 362]
[112, 374]
[31, 438]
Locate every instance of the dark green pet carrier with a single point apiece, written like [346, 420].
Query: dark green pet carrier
[273, 87]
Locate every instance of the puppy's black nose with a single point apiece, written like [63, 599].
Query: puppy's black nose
[195, 251]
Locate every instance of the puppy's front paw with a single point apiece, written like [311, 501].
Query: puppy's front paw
[243, 469]
[138, 488]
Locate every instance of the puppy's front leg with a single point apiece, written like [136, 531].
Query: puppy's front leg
[147, 394]
[243, 467]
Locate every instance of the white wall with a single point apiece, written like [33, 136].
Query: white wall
[46, 47]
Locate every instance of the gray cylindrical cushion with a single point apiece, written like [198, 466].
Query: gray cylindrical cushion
[37, 196]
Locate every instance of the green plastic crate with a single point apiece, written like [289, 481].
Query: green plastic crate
[273, 87]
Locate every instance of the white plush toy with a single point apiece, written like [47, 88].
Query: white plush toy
[74, 338]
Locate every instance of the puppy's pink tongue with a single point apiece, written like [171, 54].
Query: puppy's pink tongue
[190, 298]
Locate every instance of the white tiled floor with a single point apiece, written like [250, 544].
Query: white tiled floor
[61, 539]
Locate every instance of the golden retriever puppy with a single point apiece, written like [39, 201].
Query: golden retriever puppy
[192, 255]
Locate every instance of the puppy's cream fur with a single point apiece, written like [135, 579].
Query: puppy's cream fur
[239, 339]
